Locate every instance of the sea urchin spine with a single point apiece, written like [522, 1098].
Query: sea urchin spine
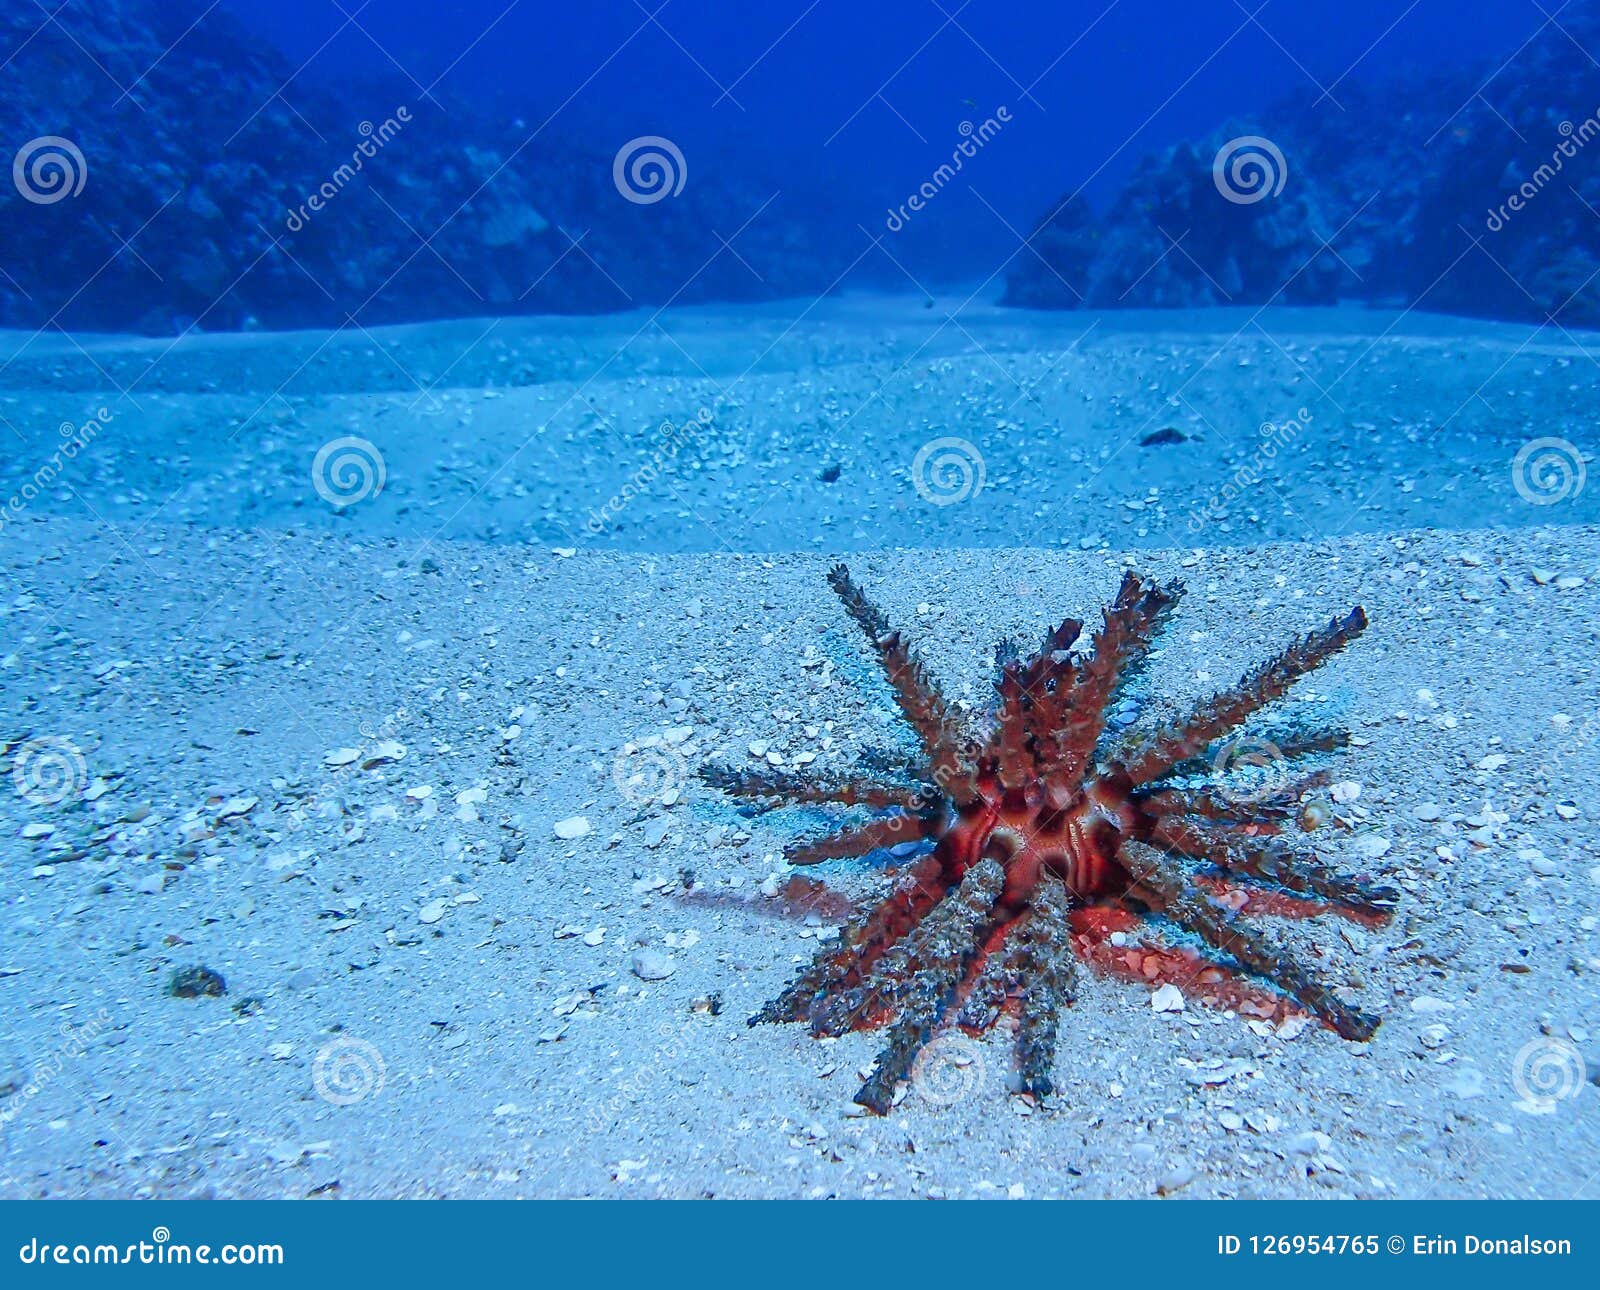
[1043, 842]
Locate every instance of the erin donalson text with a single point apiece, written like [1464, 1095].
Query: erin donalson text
[1302, 1243]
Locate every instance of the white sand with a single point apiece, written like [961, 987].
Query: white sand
[198, 667]
[523, 429]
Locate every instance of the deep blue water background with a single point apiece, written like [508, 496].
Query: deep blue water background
[845, 107]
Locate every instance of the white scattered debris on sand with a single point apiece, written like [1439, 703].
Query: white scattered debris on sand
[428, 807]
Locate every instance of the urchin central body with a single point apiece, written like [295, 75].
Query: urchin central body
[1043, 843]
[1036, 829]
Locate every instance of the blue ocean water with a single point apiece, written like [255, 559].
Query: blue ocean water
[765, 224]
[844, 108]
[430, 431]
[797, 136]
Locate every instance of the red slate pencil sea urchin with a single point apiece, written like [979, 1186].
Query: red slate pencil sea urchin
[1046, 843]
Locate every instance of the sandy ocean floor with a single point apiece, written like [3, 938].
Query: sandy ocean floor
[337, 756]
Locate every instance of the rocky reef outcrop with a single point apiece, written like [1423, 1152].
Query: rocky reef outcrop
[169, 171]
[1475, 191]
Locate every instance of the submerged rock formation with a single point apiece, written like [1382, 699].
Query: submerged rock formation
[1473, 192]
[169, 171]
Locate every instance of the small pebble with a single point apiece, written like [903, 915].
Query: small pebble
[382, 753]
[1178, 1175]
[1428, 1003]
[653, 965]
[1168, 998]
